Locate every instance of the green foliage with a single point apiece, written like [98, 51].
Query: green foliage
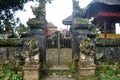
[10, 71]
[12, 4]
[15, 4]
[87, 78]
[7, 10]
[44, 71]
[22, 29]
[10, 75]
[107, 71]
[72, 67]
[8, 24]
[108, 75]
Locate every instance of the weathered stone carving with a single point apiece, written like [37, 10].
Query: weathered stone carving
[32, 65]
[86, 60]
[32, 52]
[86, 53]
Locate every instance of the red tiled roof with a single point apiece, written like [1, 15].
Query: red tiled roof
[51, 25]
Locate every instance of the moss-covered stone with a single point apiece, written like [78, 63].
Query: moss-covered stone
[108, 42]
[79, 21]
[35, 22]
[10, 42]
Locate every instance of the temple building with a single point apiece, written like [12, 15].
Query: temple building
[50, 28]
[105, 15]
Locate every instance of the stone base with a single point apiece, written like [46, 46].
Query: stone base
[31, 72]
[87, 72]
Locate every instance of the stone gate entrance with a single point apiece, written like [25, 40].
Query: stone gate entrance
[59, 48]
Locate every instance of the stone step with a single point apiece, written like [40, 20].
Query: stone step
[59, 68]
[59, 78]
[88, 78]
[59, 72]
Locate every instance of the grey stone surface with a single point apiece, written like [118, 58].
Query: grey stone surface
[56, 69]
[59, 78]
[59, 67]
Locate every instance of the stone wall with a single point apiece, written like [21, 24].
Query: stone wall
[107, 49]
[26, 51]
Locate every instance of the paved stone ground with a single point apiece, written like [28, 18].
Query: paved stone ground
[59, 78]
[58, 68]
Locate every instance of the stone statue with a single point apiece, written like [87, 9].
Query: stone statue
[86, 53]
[32, 52]
[76, 8]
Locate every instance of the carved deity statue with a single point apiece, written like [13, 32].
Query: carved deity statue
[87, 53]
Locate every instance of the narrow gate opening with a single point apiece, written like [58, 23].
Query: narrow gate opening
[59, 48]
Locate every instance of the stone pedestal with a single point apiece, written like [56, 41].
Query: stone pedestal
[32, 72]
[87, 72]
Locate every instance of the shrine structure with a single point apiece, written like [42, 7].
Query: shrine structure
[105, 14]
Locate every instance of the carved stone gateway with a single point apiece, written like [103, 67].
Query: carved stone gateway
[34, 60]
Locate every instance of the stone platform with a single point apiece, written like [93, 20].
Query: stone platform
[59, 78]
[59, 68]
